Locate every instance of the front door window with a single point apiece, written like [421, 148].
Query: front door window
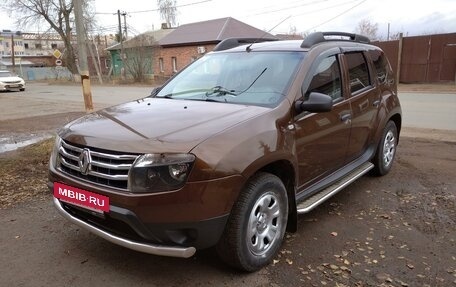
[322, 138]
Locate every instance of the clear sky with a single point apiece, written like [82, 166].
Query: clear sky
[411, 17]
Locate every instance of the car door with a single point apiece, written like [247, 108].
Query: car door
[322, 138]
[364, 102]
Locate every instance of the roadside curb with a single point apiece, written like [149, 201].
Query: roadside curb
[432, 134]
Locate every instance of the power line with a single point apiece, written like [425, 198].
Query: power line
[316, 10]
[133, 30]
[326, 8]
[276, 6]
[103, 28]
[344, 12]
[290, 7]
[154, 10]
[177, 6]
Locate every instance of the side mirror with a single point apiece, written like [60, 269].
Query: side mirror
[155, 91]
[317, 103]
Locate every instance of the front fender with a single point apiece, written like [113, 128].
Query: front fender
[246, 148]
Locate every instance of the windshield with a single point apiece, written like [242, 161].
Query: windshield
[4, 74]
[256, 78]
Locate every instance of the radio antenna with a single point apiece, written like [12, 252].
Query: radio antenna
[248, 49]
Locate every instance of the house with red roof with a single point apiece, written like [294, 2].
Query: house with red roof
[191, 41]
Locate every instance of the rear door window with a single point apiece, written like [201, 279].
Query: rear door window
[358, 72]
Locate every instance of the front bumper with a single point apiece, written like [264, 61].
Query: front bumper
[155, 249]
[169, 224]
[8, 87]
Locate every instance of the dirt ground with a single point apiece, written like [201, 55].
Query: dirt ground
[435, 88]
[397, 230]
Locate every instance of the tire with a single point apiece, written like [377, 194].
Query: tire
[386, 150]
[256, 226]
[23, 89]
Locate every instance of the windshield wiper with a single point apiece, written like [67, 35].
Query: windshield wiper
[171, 95]
[216, 91]
[220, 91]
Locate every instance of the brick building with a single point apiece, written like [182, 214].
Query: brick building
[191, 41]
[143, 47]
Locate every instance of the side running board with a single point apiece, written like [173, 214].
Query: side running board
[315, 200]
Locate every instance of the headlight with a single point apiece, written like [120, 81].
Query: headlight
[159, 172]
[54, 160]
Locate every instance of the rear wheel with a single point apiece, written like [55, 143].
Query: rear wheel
[386, 150]
[255, 229]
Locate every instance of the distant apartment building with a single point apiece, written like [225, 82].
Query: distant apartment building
[29, 49]
[11, 41]
[38, 49]
[36, 44]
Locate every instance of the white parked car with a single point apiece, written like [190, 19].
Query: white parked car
[10, 82]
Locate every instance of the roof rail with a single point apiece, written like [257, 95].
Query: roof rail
[319, 37]
[234, 42]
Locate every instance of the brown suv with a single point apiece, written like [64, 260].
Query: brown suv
[232, 148]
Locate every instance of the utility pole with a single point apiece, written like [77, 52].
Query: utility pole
[82, 52]
[388, 36]
[94, 61]
[124, 14]
[122, 70]
[120, 27]
[399, 58]
[13, 60]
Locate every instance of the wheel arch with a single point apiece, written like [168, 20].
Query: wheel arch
[397, 119]
[285, 171]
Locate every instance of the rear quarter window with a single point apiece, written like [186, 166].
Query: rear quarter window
[381, 65]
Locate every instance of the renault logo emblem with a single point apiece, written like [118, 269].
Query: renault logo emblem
[84, 161]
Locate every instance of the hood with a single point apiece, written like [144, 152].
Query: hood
[10, 79]
[156, 125]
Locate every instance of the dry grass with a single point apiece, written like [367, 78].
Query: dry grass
[24, 174]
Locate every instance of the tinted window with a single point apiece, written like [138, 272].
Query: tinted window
[381, 65]
[260, 78]
[358, 72]
[326, 79]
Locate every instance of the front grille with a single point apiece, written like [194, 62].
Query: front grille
[106, 168]
[12, 82]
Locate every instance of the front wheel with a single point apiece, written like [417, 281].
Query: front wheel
[386, 150]
[257, 223]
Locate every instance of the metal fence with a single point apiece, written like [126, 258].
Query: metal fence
[423, 59]
[44, 73]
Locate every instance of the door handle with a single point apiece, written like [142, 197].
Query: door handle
[376, 103]
[346, 118]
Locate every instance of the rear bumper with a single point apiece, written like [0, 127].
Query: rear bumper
[149, 248]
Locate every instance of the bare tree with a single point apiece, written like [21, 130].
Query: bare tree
[139, 53]
[395, 36]
[57, 15]
[292, 30]
[168, 11]
[367, 28]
